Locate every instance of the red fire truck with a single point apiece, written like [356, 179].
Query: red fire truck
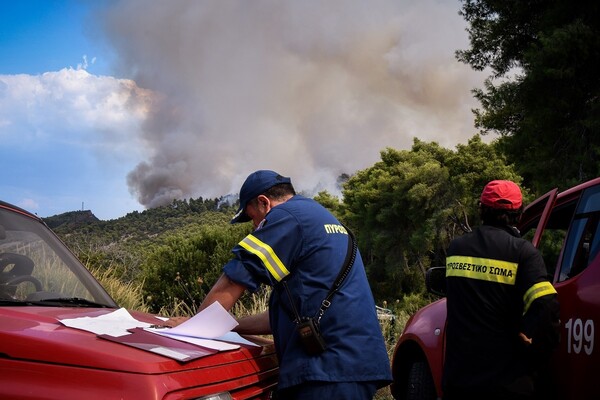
[565, 227]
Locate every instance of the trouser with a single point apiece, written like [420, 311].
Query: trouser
[319, 390]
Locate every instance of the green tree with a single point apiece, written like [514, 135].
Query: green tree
[548, 116]
[185, 268]
[406, 208]
[328, 201]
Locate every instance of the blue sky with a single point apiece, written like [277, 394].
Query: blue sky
[48, 35]
[51, 171]
[120, 105]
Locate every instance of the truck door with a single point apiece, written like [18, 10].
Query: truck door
[577, 281]
[568, 236]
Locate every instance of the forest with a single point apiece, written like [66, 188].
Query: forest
[538, 124]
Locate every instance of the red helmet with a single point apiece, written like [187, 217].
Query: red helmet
[500, 194]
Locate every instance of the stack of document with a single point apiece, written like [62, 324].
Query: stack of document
[208, 332]
[209, 328]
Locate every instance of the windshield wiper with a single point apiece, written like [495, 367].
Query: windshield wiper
[10, 302]
[69, 301]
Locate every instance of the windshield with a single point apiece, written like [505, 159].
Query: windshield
[36, 266]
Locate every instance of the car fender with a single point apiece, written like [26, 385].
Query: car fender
[422, 338]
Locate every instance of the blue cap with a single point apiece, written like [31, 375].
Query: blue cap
[256, 184]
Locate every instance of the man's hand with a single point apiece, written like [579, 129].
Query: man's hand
[526, 341]
[174, 321]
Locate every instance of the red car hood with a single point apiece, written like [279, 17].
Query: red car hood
[35, 334]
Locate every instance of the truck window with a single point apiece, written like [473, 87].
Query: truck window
[583, 242]
[553, 237]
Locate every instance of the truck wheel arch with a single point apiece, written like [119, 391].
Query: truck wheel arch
[409, 359]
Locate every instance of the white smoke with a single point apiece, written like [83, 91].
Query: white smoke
[311, 89]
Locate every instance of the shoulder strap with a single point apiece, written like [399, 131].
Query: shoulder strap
[348, 262]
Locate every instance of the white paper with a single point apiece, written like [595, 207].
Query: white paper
[115, 323]
[214, 322]
[234, 337]
[208, 343]
[210, 323]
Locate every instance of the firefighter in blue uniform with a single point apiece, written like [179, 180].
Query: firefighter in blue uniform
[299, 242]
[502, 322]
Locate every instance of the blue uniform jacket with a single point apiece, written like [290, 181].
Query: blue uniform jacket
[303, 243]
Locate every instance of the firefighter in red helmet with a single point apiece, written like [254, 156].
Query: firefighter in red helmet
[502, 310]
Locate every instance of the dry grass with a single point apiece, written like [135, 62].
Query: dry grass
[128, 295]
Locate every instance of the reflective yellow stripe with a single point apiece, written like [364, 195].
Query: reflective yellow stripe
[267, 256]
[484, 269]
[535, 292]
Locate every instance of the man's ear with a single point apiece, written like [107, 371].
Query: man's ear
[264, 201]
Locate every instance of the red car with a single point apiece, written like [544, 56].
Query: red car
[565, 227]
[42, 283]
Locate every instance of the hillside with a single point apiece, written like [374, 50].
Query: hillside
[166, 250]
[79, 228]
[72, 219]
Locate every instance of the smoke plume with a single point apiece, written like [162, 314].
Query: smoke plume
[311, 89]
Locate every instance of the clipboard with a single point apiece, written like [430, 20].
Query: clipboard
[161, 345]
